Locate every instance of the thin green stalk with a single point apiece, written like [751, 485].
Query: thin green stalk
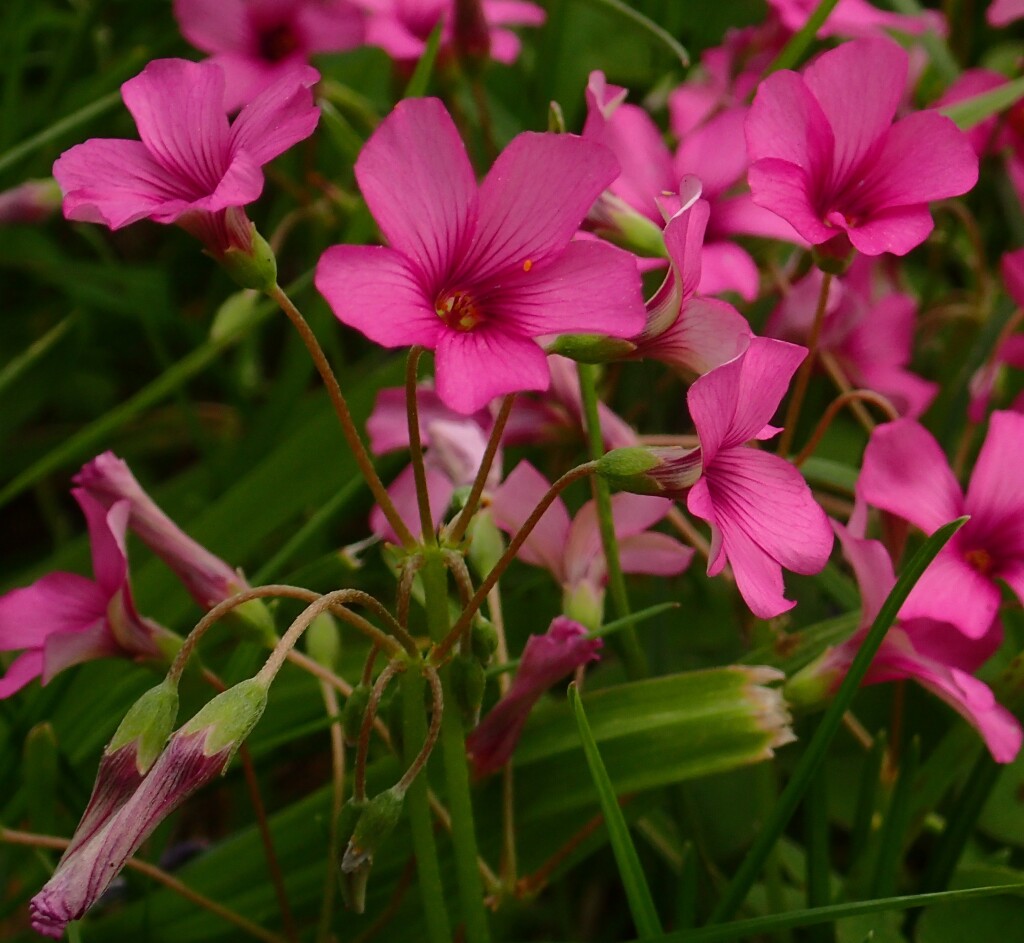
[894, 828]
[417, 802]
[866, 796]
[419, 471]
[627, 642]
[816, 845]
[658, 32]
[453, 755]
[830, 723]
[18, 365]
[803, 38]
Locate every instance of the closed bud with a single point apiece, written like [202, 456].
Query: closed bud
[353, 712]
[614, 219]
[323, 641]
[375, 823]
[352, 883]
[591, 348]
[666, 471]
[467, 687]
[583, 602]
[486, 542]
[251, 265]
[483, 639]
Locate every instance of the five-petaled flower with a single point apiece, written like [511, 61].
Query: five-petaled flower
[191, 167]
[477, 273]
[826, 156]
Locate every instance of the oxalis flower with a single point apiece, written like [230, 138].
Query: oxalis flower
[906, 473]
[477, 273]
[190, 167]
[826, 156]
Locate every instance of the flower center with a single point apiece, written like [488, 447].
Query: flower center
[981, 560]
[458, 310]
[277, 42]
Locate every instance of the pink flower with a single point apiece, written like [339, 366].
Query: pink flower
[401, 27]
[933, 653]
[545, 659]
[108, 481]
[197, 752]
[1004, 12]
[905, 473]
[29, 202]
[477, 273]
[870, 336]
[191, 167]
[857, 18]
[571, 550]
[64, 619]
[689, 332]
[1010, 351]
[762, 514]
[971, 83]
[826, 156]
[259, 42]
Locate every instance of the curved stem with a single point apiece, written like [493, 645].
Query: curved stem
[419, 470]
[803, 376]
[330, 696]
[442, 648]
[437, 711]
[833, 410]
[838, 376]
[458, 530]
[348, 426]
[384, 679]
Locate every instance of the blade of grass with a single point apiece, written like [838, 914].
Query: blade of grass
[819, 892]
[799, 41]
[17, 366]
[658, 32]
[972, 111]
[420, 79]
[814, 755]
[894, 829]
[638, 894]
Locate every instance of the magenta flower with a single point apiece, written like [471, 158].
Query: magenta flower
[401, 27]
[30, 202]
[191, 167]
[198, 751]
[906, 473]
[108, 481]
[870, 336]
[64, 619]
[762, 514]
[259, 42]
[826, 156]
[1004, 12]
[545, 659]
[857, 18]
[477, 273]
[933, 653]
[571, 550]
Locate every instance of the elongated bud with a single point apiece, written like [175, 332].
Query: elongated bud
[815, 683]
[583, 602]
[486, 542]
[252, 265]
[376, 822]
[614, 219]
[323, 641]
[352, 883]
[667, 471]
[197, 752]
[133, 749]
[353, 712]
[467, 686]
[483, 639]
[591, 348]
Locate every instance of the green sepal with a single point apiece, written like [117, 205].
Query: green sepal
[467, 686]
[256, 268]
[230, 717]
[148, 723]
[376, 822]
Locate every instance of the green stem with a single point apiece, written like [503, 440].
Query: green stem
[453, 754]
[417, 801]
[626, 641]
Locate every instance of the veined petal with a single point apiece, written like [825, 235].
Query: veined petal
[684, 239]
[905, 472]
[715, 152]
[706, 334]
[402, 492]
[214, 27]
[786, 123]
[107, 534]
[512, 503]
[592, 287]
[178, 107]
[27, 666]
[57, 602]
[872, 568]
[473, 367]
[419, 185]
[785, 189]
[897, 230]
[951, 590]
[63, 650]
[858, 86]
[635, 140]
[654, 554]
[375, 290]
[534, 199]
[277, 118]
[727, 267]
[995, 495]
[116, 183]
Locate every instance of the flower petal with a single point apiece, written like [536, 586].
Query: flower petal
[107, 536]
[402, 492]
[995, 495]
[951, 590]
[20, 672]
[785, 189]
[534, 199]
[906, 473]
[277, 118]
[214, 27]
[513, 502]
[57, 602]
[727, 267]
[897, 230]
[715, 152]
[375, 290]
[785, 123]
[654, 554]
[473, 367]
[419, 185]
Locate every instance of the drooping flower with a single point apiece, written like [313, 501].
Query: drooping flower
[108, 481]
[546, 658]
[190, 167]
[198, 751]
[933, 653]
[258, 42]
[477, 273]
[64, 619]
[571, 550]
[869, 335]
[906, 473]
[402, 27]
[826, 156]
[762, 514]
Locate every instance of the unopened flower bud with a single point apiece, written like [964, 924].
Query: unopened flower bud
[353, 712]
[323, 641]
[251, 266]
[352, 883]
[486, 543]
[667, 471]
[815, 683]
[614, 219]
[467, 679]
[591, 348]
[583, 602]
[376, 822]
[30, 202]
[483, 639]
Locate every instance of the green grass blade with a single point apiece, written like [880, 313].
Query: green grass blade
[658, 32]
[894, 829]
[974, 110]
[798, 43]
[814, 755]
[18, 366]
[420, 80]
[638, 894]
